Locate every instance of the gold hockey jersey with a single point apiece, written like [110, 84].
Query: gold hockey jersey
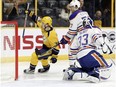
[50, 38]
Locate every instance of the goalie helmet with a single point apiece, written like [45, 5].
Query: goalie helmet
[47, 20]
[75, 3]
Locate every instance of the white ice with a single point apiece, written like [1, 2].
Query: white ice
[53, 78]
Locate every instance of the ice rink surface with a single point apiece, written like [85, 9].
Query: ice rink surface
[53, 78]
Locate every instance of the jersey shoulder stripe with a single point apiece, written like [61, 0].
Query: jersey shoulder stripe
[73, 15]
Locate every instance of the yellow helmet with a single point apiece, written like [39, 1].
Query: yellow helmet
[47, 20]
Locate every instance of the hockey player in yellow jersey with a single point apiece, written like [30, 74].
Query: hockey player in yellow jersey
[50, 39]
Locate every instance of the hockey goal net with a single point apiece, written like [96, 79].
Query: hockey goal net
[9, 50]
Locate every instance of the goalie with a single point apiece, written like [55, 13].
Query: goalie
[93, 66]
[50, 40]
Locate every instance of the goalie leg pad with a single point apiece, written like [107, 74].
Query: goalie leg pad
[74, 74]
[104, 72]
[93, 79]
[80, 76]
[68, 74]
[100, 74]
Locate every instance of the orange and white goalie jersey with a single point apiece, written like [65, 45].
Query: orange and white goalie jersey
[86, 40]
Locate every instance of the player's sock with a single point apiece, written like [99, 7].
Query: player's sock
[44, 69]
[30, 70]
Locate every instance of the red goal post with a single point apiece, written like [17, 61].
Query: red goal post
[14, 25]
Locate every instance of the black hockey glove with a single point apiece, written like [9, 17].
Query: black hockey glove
[53, 60]
[63, 41]
[27, 12]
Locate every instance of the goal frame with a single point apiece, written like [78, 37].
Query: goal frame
[16, 45]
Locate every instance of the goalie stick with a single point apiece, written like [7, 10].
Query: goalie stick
[104, 36]
[45, 53]
[25, 22]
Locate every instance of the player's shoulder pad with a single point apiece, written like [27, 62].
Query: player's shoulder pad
[73, 15]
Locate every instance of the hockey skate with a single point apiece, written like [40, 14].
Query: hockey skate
[44, 69]
[29, 71]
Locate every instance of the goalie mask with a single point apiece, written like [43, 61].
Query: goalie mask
[74, 5]
[47, 23]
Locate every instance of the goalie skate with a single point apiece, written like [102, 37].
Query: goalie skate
[29, 71]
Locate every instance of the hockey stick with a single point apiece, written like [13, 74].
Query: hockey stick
[25, 22]
[112, 60]
[45, 53]
[104, 36]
